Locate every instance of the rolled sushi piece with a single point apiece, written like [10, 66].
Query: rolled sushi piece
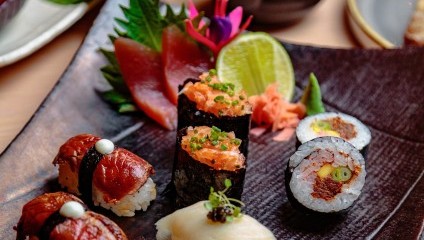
[61, 215]
[208, 102]
[206, 156]
[325, 175]
[337, 125]
[105, 175]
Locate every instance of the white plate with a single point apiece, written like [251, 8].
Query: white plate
[380, 23]
[36, 24]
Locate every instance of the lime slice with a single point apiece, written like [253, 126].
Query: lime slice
[255, 60]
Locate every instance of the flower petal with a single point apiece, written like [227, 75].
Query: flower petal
[220, 7]
[235, 19]
[219, 29]
[192, 10]
[199, 37]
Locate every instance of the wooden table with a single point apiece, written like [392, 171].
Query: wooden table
[24, 85]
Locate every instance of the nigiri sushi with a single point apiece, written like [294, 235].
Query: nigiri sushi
[217, 218]
[105, 175]
[63, 216]
[208, 102]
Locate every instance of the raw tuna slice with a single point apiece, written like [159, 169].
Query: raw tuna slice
[182, 59]
[141, 68]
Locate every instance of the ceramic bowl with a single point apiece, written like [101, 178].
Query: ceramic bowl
[8, 9]
[276, 11]
[380, 23]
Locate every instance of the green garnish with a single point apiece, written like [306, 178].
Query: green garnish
[223, 87]
[143, 23]
[212, 72]
[216, 137]
[241, 97]
[221, 208]
[341, 174]
[311, 97]
[219, 98]
[235, 102]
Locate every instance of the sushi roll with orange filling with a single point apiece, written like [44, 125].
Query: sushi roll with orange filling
[63, 216]
[206, 156]
[208, 102]
[325, 175]
[105, 175]
[336, 125]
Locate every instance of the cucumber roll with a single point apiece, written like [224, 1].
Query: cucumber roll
[205, 157]
[336, 125]
[325, 175]
[209, 102]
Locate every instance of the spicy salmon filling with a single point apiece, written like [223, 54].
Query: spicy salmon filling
[331, 177]
[334, 127]
[213, 147]
[213, 96]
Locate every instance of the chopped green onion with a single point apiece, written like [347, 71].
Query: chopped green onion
[224, 147]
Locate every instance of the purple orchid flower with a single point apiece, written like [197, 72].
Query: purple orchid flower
[222, 28]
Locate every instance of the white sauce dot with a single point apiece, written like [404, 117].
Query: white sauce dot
[104, 146]
[72, 209]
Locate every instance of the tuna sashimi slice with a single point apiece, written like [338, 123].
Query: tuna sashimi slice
[141, 68]
[182, 59]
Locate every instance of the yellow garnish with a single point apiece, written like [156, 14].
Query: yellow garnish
[325, 170]
[323, 128]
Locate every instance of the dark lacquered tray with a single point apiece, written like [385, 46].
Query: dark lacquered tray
[383, 88]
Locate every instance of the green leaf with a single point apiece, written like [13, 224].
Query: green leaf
[311, 97]
[143, 22]
[208, 206]
[175, 18]
[122, 103]
[227, 183]
[127, 107]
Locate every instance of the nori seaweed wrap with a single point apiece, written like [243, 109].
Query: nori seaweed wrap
[204, 158]
[215, 104]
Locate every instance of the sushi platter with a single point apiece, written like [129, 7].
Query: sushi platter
[381, 88]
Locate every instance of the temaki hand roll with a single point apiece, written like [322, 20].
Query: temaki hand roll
[335, 125]
[325, 175]
[206, 156]
[209, 102]
[105, 175]
[63, 216]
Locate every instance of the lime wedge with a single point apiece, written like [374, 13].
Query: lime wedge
[255, 60]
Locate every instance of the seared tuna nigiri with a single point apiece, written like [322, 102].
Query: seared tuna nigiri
[62, 216]
[109, 176]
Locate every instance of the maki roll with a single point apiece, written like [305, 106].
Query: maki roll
[63, 216]
[105, 175]
[325, 175]
[206, 156]
[336, 125]
[209, 102]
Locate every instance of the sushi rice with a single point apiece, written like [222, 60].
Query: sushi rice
[305, 132]
[310, 157]
[124, 207]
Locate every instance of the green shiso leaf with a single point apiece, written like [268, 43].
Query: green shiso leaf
[175, 18]
[143, 23]
[311, 97]
[123, 103]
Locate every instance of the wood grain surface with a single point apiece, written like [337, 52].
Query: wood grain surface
[383, 88]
